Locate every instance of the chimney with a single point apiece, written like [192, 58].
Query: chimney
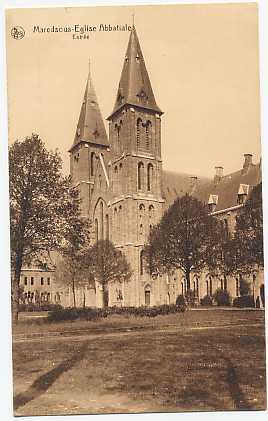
[218, 174]
[247, 161]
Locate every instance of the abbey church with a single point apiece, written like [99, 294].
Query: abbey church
[122, 185]
[120, 176]
[124, 191]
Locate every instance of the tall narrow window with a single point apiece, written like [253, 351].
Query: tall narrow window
[140, 175]
[115, 179]
[96, 230]
[115, 224]
[225, 283]
[119, 223]
[210, 286]
[197, 287]
[142, 262]
[148, 135]
[101, 221]
[92, 163]
[139, 123]
[151, 213]
[107, 226]
[150, 169]
[237, 287]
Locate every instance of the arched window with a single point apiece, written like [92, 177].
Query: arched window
[115, 179]
[140, 175]
[117, 131]
[150, 169]
[225, 283]
[107, 226]
[96, 230]
[119, 224]
[197, 287]
[182, 288]
[138, 134]
[210, 286]
[115, 222]
[142, 262]
[147, 296]
[92, 163]
[142, 209]
[101, 221]
[237, 287]
[148, 134]
[151, 212]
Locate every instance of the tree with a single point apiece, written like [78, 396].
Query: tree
[248, 237]
[186, 238]
[106, 264]
[71, 268]
[40, 205]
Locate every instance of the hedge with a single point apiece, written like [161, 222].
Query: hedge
[244, 301]
[41, 307]
[89, 313]
[206, 301]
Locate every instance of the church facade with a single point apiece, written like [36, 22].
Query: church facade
[124, 190]
[120, 177]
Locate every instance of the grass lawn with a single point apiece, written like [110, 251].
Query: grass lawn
[178, 362]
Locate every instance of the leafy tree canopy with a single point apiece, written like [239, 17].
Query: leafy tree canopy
[43, 203]
[248, 238]
[186, 238]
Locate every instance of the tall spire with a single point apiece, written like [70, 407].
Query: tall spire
[90, 127]
[135, 86]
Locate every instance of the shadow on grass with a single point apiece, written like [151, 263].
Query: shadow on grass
[238, 397]
[44, 382]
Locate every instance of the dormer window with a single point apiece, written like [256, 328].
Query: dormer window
[212, 202]
[242, 193]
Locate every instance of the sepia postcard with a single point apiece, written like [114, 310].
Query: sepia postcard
[135, 197]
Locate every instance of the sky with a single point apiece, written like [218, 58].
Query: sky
[202, 61]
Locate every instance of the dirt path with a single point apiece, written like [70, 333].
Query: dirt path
[134, 331]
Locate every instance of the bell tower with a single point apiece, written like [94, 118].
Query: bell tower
[136, 165]
[89, 142]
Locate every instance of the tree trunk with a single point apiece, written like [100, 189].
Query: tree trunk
[105, 295]
[84, 299]
[73, 290]
[16, 288]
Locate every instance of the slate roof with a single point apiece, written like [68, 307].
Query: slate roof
[135, 86]
[175, 185]
[178, 184]
[90, 127]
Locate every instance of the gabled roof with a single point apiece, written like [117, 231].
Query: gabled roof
[135, 86]
[229, 186]
[90, 127]
[223, 193]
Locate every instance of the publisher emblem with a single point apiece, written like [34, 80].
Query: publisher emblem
[17, 32]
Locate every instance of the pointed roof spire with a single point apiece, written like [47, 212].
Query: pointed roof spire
[90, 127]
[135, 86]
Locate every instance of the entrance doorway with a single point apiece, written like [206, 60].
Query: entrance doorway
[147, 297]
